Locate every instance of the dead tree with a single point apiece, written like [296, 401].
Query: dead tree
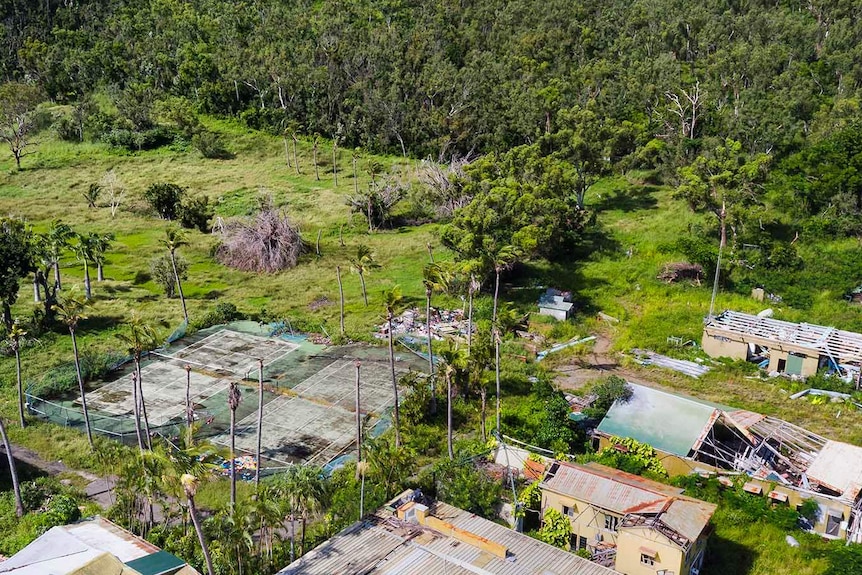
[267, 242]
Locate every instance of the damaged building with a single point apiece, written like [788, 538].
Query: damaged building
[782, 461]
[800, 349]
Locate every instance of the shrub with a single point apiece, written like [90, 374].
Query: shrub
[63, 378]
[210, 145]
[165, 198]
[162, 272]
[223, 313]
[557, 530]
[195, 213]
[137, 141]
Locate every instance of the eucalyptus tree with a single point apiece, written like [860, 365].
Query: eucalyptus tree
[70, 310]
[175, 239]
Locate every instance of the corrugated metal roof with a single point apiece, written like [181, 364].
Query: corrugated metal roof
[384, 545]
[838, 466]
[608, 488]
[687, 516]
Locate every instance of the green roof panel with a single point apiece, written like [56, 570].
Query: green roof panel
[668, 422]
[159, 563]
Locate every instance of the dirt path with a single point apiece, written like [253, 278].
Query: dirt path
[98, 489]
[599, 362]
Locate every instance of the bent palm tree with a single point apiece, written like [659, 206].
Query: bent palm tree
[362, 264]
[100, 245]
[16, 487]
[140, 338]
[70, 310]
[175, 239]
[392, 299]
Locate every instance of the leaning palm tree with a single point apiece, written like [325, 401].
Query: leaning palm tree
[141, 337]
[303, 490]
[434, 278]
[83, 249]
[13, 340]
[502, 259]
[362, 263]
[233, 398]
[453, 363]
[19, 506]
[100, 244]
[70, 310]
[175, 239]
[392, 299]
[57, 240]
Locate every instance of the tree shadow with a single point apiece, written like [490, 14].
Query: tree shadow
[628, 199]
[726, 557]
[26, 472]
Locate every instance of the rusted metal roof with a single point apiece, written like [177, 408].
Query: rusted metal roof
[687, 516]
[608, 488]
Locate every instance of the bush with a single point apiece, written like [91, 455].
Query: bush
[195, 213]
[162, 272]
[210, 145]
[166, 199]
[136, 141]
[223, 313]
[63, 378]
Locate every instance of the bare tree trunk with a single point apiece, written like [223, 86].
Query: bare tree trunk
[137, 409]
[430, 252]
[57, 283]
[193, 511]
[179, 286]
[20, 384]
[358, 410]
[364, 294]
[430, 350]
[470, 317]
[88, 292]
[37, 296]
[81, 388]
[259, 421]
[394, 382]
[314, 156]
[190, 414]
[286, 152]
[100, 272]
[13, 472]
[449, 416]
[317, 245]
[295, 160]
[496, 295]
[497, 373]
[355, 181]
[148, 436]
[483, 393]
[335, 160]
[232, 459]
[341, 297]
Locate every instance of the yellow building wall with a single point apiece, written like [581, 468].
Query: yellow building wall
[586, 520]
[723, 347]
[630, 540]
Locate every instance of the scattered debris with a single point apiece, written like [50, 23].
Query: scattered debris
[835, 395]
[681, 271]
[319, 302]
[689, 368]
[608, 318]
[561, 346]
[444, 323]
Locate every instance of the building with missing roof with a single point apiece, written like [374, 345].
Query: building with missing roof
[782, 461]
[627, 522]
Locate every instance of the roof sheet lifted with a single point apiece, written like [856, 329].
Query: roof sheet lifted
[838, 466]
[382, 544]
[671, 423]
[842, 345]
[608, 488]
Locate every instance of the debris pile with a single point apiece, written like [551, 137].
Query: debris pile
[444, 323]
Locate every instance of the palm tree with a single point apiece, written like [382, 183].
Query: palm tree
[361, 264]
[175, 239]
[233, 398]
[387, 465]
[13, 339]
[303, 490]
[267, 518]
[453, 362]
[141, 337]
[84, 253]
[19, 505]
[58, 237]
[472, 288]
[70, 311]
[502, 259]
[100, 244]
[392, 299]
[181, 470]
[434, 278]
[236, 533]
[259, 422]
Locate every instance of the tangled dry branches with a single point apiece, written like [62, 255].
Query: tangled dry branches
[267, 242]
